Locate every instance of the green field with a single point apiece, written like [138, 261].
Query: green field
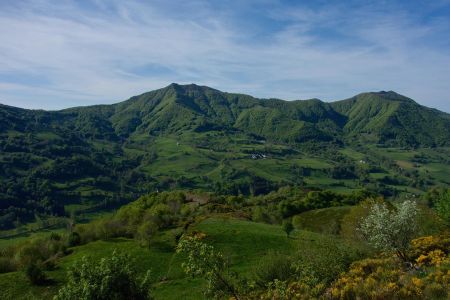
[243, 242]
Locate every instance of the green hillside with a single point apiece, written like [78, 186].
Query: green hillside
[392, 119]
[195, 137]
[323, 253]
[245, 244]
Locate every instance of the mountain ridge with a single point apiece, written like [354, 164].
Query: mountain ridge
[203, 87]
[381, 116]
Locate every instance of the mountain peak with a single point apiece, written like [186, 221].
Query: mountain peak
[189, 86]
[386, 95]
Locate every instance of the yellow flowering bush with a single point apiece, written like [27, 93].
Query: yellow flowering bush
[387, 278]
[433, 258]
[426, 244]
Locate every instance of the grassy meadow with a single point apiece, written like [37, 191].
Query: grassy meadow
[243, 242]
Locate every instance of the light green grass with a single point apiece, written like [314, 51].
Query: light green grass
[243, 242]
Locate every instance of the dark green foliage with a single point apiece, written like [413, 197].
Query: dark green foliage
[325, 263]
[110, 278]
[35, 274]
[439, 199]
[288, 201]
[74, 239]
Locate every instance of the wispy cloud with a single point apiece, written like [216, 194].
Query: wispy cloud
[61, 54]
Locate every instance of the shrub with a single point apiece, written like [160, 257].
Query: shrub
[440, 200]
[324, 264]
[273, 266]
[35, 274]
[204, 261]
[386, 278]
[73, 239]
[38, 250]
[109, 278]
[146, 231]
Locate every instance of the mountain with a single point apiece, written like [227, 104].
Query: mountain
[386, 117]
[394, 119]
[189, 136]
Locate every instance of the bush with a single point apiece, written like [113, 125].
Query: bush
[440, 200]
[273, 266]
[35, 274]
[324, 264]
[109, 278]
[145, 232]
[387, 278]
[74, 239]
[204, 261]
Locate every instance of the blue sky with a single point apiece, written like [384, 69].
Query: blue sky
[58, 54]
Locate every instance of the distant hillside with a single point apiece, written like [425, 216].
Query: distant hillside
[189, 136]
[388, 117]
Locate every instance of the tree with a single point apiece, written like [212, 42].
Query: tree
[442, 205]
[109, 278]
[288, 227]
[204, 261]
[391, 230]
[439, 200]
[146, 231]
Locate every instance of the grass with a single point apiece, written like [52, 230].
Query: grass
[6, 242]
[325, 220]
[243, 242]
[353, 154]
[438, 171]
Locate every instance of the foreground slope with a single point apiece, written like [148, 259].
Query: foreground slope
[245, 243]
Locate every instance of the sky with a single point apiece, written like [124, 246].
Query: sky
[61, 53]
